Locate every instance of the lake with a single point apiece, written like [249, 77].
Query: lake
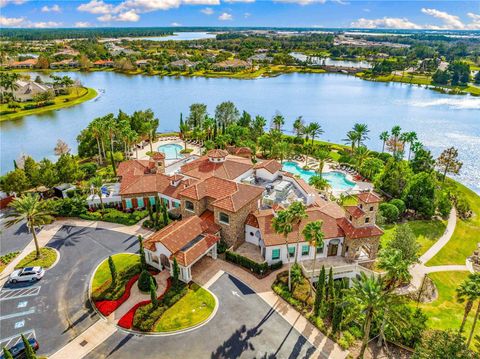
[178, 36]
[336, 101]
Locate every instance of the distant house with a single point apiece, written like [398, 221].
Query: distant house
[103, 63]
[262, 57]
[64, 63]
[67, 52]
[142, 63]
[231, 65]
[26, 64]
[26, 90]
[182, 64]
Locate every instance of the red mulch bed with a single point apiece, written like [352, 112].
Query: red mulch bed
[107, 307]
[127, 320]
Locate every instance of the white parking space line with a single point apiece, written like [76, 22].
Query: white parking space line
[14, 339]
[8, 294]
[18, 314]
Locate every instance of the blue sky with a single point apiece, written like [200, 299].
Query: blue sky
[459, 15]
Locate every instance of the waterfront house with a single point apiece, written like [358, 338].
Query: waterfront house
[26, 90]
[25, 64]
[103, 63]
[231, 65]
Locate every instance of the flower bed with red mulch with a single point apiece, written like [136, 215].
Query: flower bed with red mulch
[127, 320]
[107, 307]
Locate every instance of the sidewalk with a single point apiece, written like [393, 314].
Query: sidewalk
[207, 269]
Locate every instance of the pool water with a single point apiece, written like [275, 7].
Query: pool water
[337, 180]
[171, 151]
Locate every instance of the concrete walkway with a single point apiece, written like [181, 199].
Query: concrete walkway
[136, 296]
[48, 232]
[418, 271]
[207, 270]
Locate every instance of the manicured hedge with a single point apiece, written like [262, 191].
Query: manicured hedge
[115, 216]
[259, 268]
[276, 265]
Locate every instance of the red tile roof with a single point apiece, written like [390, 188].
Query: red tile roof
[192, 254]
[251, 220]
[354, 211]
[217, 153]
[369, 197]
[157, 156]
[360, 232]
[227, 195]
[272, 238]
[271, 166]
[231, 168]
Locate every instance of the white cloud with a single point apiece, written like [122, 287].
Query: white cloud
[450, 21]
[53, 8]
[152, 5]
[341, 2]
[82, 24]
[96, 7]
[175, 24]
[302, 2]
[247, 15]
[232, 1]
[225, 16]
[14, 2]
[130, 16]
[44, 25]
[386, 22]
[11, 21]
[207, 11]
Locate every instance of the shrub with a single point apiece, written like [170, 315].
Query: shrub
[222, 246]
[259, 268]
[144, 281]
[188, 150]
[444, 204]
[115, 216]
[346, 340]
[356, 332]
[389, 212]
[69, 207]
[89, 168]
[276, 265]
[399, 204]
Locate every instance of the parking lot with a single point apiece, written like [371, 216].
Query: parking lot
[56, 309]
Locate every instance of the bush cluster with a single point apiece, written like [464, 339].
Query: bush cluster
[114, 292]
[69, 207]
[115, 216]
[258, 268]
[144, 281]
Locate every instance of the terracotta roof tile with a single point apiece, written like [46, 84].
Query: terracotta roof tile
[360, 232]
[271, 166]
[192, 254]
[217, 153]
[354, 211]
[369, 197]
[231, 168]
[157, 156]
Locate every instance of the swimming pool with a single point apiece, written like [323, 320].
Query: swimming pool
[171, 151]
[337, 180]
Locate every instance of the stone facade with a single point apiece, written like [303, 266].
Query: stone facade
[351, 248]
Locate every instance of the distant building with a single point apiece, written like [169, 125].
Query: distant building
[26, 90]
[103, 63]
[231, 65]
[64, 63]
[26, 64]
[183, 64]
[261, 57]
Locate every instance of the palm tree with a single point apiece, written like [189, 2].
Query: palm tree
[313, 234]
[318, 183]
[314, 129]
[410, 138]
[34, 211]
[368, 296]
[468, 292]
[384, 136]
[321, 155]
[298, 126]
[361, 154]
[352, 138]
[96, 128]
[397, 269]
[282, 150]
[208, 126]
[278, 121]
[184, 128]
[96, 184]
[297, 213]
[282, 225]
[362, 130]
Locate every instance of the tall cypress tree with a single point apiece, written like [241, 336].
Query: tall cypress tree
[153, 293]
[330, 293]
[165, 214]
[320, 292]
[338, 310]
[176, 272]
[143, 261]
[29, 352]
[150, 210]
[113, 271]
[7, 354]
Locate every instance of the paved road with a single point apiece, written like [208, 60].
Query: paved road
[56, 307]
[14, 238]
[244, 327]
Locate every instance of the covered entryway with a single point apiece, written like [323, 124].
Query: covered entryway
[164, 261]
[332, 249]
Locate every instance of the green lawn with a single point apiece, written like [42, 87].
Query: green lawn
[195, 307]
[465, 237]
[123, 261]
[445, 312]
[6, 259]
[84, 94]
[427, 232]
[48, 256]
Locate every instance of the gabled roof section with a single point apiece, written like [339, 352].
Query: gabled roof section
[358, 232]
[271, 166]
[354, 211]
[369, 197]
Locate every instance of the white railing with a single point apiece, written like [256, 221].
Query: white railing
[341, 270]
